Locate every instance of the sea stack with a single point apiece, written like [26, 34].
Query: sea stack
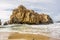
[22, 15]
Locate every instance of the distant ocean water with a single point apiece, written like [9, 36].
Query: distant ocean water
[51, 30]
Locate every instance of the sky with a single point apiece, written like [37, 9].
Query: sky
[50, 7]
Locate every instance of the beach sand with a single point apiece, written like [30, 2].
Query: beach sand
[22, 36]
[28, 36]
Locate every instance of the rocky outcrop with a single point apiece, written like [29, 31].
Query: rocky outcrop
[0, 22]
[6, 23]
[22, 15]
[45, 19]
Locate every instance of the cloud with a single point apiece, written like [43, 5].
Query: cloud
[4, 6]
[57, 17]
[44, 5]
[43, 1]
[5, 14]
[8, 5]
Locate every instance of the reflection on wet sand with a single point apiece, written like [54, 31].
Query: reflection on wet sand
[21, 36]
[28, 36]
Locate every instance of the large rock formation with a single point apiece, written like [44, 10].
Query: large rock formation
[21, 15]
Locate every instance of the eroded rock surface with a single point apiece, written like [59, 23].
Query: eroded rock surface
[22, 15]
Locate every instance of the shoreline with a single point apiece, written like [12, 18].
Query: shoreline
[20, 36]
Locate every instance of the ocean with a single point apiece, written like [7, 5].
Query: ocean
[50, 30]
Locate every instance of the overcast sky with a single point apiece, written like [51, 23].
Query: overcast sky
[50, 7]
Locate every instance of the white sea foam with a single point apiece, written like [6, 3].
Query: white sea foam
[51, 30]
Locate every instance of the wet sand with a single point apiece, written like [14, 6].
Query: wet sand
[21, 36]
[4, 35]
[28, 36]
